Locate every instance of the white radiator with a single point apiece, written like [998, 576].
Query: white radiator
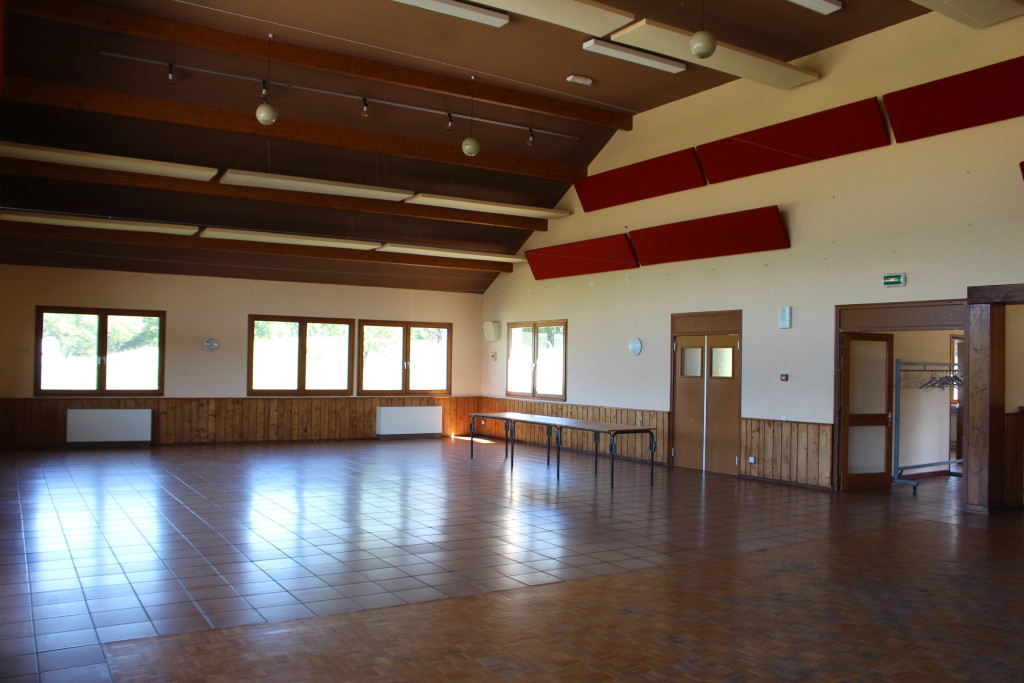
[99, 425]
[408, 421]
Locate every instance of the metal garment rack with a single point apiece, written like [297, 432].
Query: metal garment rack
[947, 370]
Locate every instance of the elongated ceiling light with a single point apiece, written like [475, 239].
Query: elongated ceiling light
[282, 238]
[272, 181]
[628, 54]
[976, 13]
[96, 223]
[820, 6]
[586, 16]
[71, 157]
[486, 207]
[448, 253]
[461, 10]
[673, 42]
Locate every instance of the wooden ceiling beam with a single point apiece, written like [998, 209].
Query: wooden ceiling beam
[60, 232]
[38, 169]
[63, 96]
[155, 28]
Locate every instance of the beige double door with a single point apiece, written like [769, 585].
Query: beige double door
[706, 401]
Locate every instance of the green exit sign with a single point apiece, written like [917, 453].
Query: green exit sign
[894, 280]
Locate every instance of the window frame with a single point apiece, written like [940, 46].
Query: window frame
[535, 325]
[101, 353]
[302, 321]
[406, 328]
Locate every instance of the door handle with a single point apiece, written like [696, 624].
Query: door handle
[888, 419]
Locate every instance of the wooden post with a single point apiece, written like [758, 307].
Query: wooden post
[985, 463]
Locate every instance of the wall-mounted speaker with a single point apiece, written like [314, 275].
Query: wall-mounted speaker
[492, 330]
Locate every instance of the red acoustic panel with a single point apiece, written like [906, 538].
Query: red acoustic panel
[582, 258]
[673, 172]
[992, 93]
[742, 232]
[844, 130]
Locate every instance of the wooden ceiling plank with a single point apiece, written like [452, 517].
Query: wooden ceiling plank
[59, 95]
[145, 26]
[38, 169]
[17, 229]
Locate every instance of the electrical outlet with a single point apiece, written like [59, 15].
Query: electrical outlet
[751, 460]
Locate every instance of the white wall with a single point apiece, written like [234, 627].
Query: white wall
[199, 307]
[948, 211]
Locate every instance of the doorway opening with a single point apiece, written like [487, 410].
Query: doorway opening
[922, 427]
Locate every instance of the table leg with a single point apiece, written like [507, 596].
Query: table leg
[512, 441]
[506, 438]
[611, 451]
[549, 445]
[597, 440]
[653, 447]
[558, 452]
[472, 432]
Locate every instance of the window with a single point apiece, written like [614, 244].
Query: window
[536, 360]
[99, 351]
[289, 355]
[405, 358]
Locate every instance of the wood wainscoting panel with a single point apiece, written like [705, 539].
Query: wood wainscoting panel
[779, 450]
[40, 422]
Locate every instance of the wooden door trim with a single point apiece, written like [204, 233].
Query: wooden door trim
[867, 480]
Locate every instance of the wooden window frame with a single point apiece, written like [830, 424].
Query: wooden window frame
[301, 370]
[101, 354]
[535, 325]
[405, 390]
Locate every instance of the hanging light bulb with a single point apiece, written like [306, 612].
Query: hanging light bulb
[529, 140]
[702, 43]
[366, 109]
[170, 75]
[470, 145]
[451, 124]
[265, 113]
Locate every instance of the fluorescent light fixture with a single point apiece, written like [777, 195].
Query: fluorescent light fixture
[586, 16]
[582, 80]
[636, 56]
[448, 253]
[282, 238]
[486, 207]
[71, 157]
[976, 13]
[461, 10]
[271, 181]
[96, 223]
[820, 6]
[674, 42]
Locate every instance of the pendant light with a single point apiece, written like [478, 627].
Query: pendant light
[265, 113]
[702, 43]
[470, 145]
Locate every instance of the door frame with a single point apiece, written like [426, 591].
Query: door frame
[699, 323]
[907, 316]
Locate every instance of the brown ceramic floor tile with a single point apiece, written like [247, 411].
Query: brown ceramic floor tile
[196, 535]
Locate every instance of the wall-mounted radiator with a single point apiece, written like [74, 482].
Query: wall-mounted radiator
[406, 422]
[97, 425]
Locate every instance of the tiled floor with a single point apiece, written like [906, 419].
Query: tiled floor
[101, 547]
